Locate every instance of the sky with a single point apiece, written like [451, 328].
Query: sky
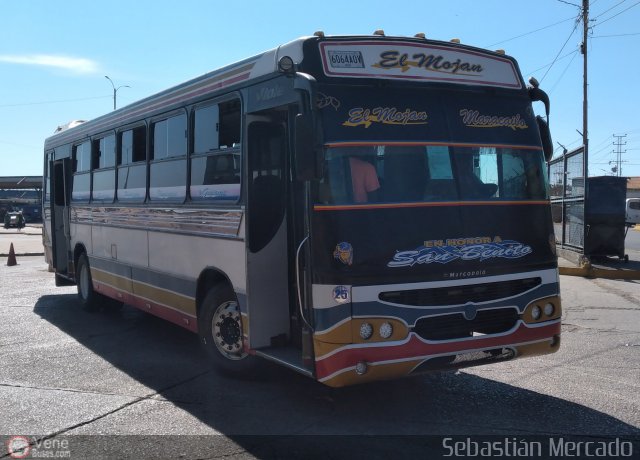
[54, 57]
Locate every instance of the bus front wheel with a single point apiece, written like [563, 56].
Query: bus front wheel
[220, 332]
[88, 297]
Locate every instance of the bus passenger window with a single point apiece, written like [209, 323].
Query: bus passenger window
[229, 125]
[81, 188]
[215, 160]
[205, 129]
[132, 170]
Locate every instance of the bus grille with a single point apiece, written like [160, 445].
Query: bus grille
[457, 295]
[455, 326]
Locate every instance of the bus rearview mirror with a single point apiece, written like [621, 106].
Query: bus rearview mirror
[545, 137]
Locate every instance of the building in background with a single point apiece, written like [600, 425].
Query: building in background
[21, 193]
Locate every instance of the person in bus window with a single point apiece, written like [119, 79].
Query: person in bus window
[364, 179]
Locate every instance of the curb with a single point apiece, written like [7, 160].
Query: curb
[591, 272]
[27, 254]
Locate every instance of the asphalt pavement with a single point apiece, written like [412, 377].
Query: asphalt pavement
[129, 385]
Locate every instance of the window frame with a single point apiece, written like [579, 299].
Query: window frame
[236, 149]
[96, 165]
[151, 161]
[119, 165]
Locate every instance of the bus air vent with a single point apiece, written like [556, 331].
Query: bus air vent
[455, 326]
[457, 295]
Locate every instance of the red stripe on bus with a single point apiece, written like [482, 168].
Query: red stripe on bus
[425, 143]
[148, 306]
[417, 349]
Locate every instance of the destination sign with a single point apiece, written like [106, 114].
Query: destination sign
[417, 61]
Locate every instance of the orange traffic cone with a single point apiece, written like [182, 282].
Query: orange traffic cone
[11, 260]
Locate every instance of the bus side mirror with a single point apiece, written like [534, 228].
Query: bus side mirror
[308, 162]
[545, 137]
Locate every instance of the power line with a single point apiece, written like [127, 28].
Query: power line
[529, 33]
[563, 72]
[577, 21]
[551, 63]
[617, 35]
[617, 14]
[569, 3]
[609, 9]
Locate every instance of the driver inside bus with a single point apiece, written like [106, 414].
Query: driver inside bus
[471, 186]
[364, 179]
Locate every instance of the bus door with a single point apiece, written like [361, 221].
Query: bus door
[60, 231]
[268, 257]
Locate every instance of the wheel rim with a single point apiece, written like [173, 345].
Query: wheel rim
[84, 282]
[226, 327]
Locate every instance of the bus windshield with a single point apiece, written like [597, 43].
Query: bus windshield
[431, 173]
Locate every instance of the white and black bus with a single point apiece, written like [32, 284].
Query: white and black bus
[354, 208]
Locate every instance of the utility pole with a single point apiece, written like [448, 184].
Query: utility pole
[585, 134]
[619, 144]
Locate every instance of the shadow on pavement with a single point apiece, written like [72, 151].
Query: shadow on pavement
[290, 410]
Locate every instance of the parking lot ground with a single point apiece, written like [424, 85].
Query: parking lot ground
[127, 385]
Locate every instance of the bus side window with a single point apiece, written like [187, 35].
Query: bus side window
[81, 189]
[132, 169]
[168, 162]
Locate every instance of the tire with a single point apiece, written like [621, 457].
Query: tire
[220, 333]
[90, 299]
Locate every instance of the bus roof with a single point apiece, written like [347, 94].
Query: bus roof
[409, 59]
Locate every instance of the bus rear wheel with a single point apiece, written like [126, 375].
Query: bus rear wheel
[220, 332]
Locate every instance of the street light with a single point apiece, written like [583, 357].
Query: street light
[115, 90]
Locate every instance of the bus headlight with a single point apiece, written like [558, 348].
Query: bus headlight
[536, 312]
[366, 331]
[386, 330]
[548, 309]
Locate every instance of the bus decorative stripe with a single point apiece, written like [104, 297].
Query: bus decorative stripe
[414, 348]
[417, 62]
[184, 220]
[384, 370]
[349, 207]
[159, 287]
[428, 143]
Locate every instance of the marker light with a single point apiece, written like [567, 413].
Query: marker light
[500, 51]
[536, 312]
[285, 64]
[361, 368]
[548, 309]
[379, 32]
[420, 35]
[318, 33]
[386, 330]
[455, 40]
[366, 331]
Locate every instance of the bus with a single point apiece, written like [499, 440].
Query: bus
[355, 208]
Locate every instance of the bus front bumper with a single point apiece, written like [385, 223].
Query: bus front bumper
[352, 364]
